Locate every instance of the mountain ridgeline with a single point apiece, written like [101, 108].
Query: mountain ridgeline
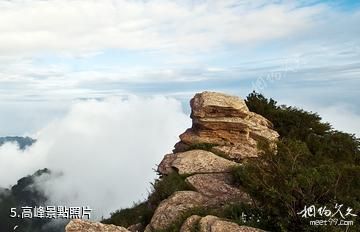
[244, 165]
[251, 165]
[23, 194]
[22, 142]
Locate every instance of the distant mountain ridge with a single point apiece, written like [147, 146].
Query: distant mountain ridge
[19, 195]
[23, 142]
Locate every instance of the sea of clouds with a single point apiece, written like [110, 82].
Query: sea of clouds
[102, 153]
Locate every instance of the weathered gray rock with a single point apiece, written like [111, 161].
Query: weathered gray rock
[217, 187]
[212, 104]
[78, 225]
[226, 122]
[172, 208]
[200, 161]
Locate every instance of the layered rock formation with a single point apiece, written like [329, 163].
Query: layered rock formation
[225, 124]
[224, 134]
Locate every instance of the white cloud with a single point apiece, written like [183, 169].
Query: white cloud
[106, 151]
[74, 26]
[342, 117]
[176, 35]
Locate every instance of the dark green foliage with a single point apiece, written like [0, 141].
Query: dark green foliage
[290, 122]
[313, 165]
[20, 195]
[139, 213]
[167, 185]
[23, 142]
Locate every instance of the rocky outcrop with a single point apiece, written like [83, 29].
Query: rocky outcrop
[217, 187]
[200, 161]
[195, 161]
[224, 134]
[78, 225]
[172, 208]
[226, 123]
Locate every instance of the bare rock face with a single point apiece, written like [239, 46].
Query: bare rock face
[224, 134]
[217, 187]
[190, 223]
[200, 161]
[78, 225]
[172, 208]
[165, 166]
[215, 224]
[226, 122]
[212, 104]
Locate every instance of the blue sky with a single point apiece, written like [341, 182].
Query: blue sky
[52, 53]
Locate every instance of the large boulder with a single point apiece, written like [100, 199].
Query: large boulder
[226, 123]
[78, 225]
[165, 165]
[172, 208]
[200, 161]
[215, 224]
[217, 187]
[212, 105]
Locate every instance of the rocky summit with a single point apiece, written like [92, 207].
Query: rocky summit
[225, 124]
[224, 134]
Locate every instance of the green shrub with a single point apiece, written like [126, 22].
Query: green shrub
[142, 212]
[139, 213]
[165, 186]
[290, 122]
[313, 165]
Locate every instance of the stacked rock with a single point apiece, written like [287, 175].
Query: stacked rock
[224, 134]
[225, 123]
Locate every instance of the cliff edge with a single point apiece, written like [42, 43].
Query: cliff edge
[224, 134]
